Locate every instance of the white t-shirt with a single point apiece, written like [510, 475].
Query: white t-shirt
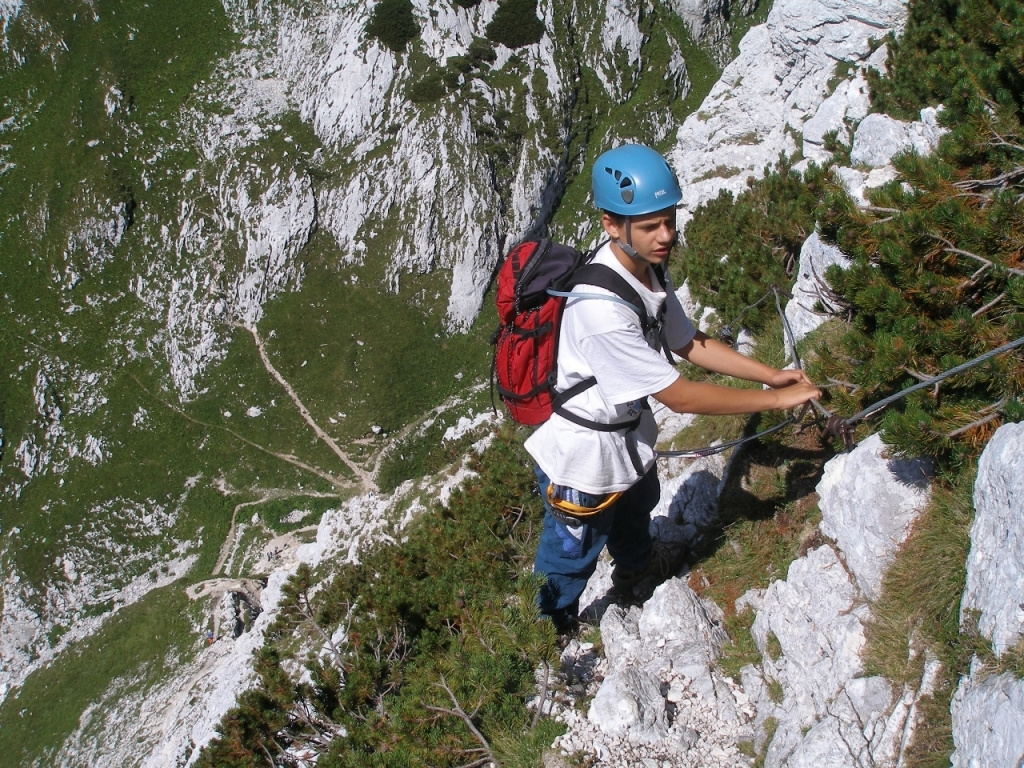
[603, 338]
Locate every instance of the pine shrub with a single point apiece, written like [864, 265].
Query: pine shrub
[960, 53]
[736, 249]
[937, 272]
[515, 24]
[393, 23]
[419, 654]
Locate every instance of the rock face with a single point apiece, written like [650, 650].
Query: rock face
[988, 709]
[809, 628]
[848, 104]
[987, 716]
[995, 565]
[777, 83]
[868, 503]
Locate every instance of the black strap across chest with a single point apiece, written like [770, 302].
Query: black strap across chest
[602, 276]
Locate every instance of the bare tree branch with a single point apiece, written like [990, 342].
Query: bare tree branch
[950, 248]
[840, 383]
[984, 309]
[543, 694]
[459, 712]
[973, 424]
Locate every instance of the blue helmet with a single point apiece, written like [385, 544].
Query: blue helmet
[633, 180]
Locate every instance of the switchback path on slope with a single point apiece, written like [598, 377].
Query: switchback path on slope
[365, 478]
[230, 544]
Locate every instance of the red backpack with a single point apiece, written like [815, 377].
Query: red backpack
[532, 286]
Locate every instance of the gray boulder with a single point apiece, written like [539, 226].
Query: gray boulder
[879, 138]
[676, 635]
[629, 701]
[868, 503]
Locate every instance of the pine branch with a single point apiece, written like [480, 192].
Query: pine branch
[950, 248]
[973, 424]
[984, 309]
[459, 712]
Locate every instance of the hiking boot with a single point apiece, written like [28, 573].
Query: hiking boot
[667, 558]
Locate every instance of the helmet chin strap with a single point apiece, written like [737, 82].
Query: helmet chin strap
[627, 247]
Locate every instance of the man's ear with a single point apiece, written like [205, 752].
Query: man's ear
[612, 227]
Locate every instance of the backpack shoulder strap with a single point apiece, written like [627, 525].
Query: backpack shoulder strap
[605, 277]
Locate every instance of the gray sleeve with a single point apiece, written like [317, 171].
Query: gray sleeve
[678, 328]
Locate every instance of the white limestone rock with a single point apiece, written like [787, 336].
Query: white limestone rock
[995, 565]
[810, 630]
[815, 257]
[661, 652]
[868, 503]
[833, 741]
[708, 25]
[810, 626]
[988, 714]
[778, 81]
[629, 704]
[857, 182]
[848, 104]
[814, 618]
[678, 623]
[704, 18]
[620, 37]
[423, 194]
[879, 138]
[278, 225]
[864, 726]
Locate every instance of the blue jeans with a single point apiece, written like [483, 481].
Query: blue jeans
[567, 555]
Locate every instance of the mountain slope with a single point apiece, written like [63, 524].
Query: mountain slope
[227, 230]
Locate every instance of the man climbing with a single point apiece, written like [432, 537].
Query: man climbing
[600, 485]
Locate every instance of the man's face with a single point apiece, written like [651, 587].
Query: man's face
[652, 234]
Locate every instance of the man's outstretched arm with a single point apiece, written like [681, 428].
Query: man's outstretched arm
[790, 388]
